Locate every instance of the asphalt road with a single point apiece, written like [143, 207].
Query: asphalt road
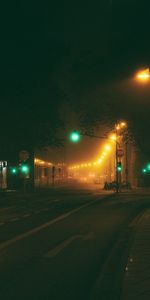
[70, 243]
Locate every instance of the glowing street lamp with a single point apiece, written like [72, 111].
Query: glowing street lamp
[143, 75]
[113, 137]
[123, 124]
[107, 147]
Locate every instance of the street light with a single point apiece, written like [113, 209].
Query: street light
[143, 76]
[107, 147]
[113, 137]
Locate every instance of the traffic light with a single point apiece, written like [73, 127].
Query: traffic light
[13, 170]
[144, 170]
[75, 136]
[148, 166]
[25, 169]
[119, 167]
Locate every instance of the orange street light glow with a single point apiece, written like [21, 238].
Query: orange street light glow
[118, 127]
[143, 75]
[99, 161]
[107, 147]
[104, 154]
[113, 137]
[123, 124]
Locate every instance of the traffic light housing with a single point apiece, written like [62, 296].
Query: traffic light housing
[119, 167]
[75, 136]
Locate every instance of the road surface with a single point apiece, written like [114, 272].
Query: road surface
[71, 243]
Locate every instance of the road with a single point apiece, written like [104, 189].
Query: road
[71, 243]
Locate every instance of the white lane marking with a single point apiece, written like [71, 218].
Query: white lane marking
[39, 228]
[14, 219]
[27, 215]
[60, 247]
[67, 242]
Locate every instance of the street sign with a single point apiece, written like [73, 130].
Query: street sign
[120, 152]
[23, 155]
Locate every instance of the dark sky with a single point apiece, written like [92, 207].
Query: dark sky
[81, 53]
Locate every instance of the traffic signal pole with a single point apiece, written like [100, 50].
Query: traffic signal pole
[117, 177]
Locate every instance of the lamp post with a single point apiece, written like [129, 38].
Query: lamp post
[143, 76]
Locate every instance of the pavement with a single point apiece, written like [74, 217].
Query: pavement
[136, 285]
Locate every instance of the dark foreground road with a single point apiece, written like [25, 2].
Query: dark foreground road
[71, 244]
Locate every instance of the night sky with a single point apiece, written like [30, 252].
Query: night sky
[80, 55]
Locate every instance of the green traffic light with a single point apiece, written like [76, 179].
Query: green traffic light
[148, 167]
[144, 170]
[75, 136]
[14, 170]
[119, 167]
[24, 169]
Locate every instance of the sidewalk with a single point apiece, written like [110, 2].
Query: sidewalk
[136, 284]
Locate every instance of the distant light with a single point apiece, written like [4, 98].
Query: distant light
[107, 147]
[118, 127]
[144, 170]
[24, 169]
[14, 170]
[148, 166]
[104, 154]
[119, 167]
[113, 137]
[75, 136]
[99, 161]
[123, 124]
[143, 75]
